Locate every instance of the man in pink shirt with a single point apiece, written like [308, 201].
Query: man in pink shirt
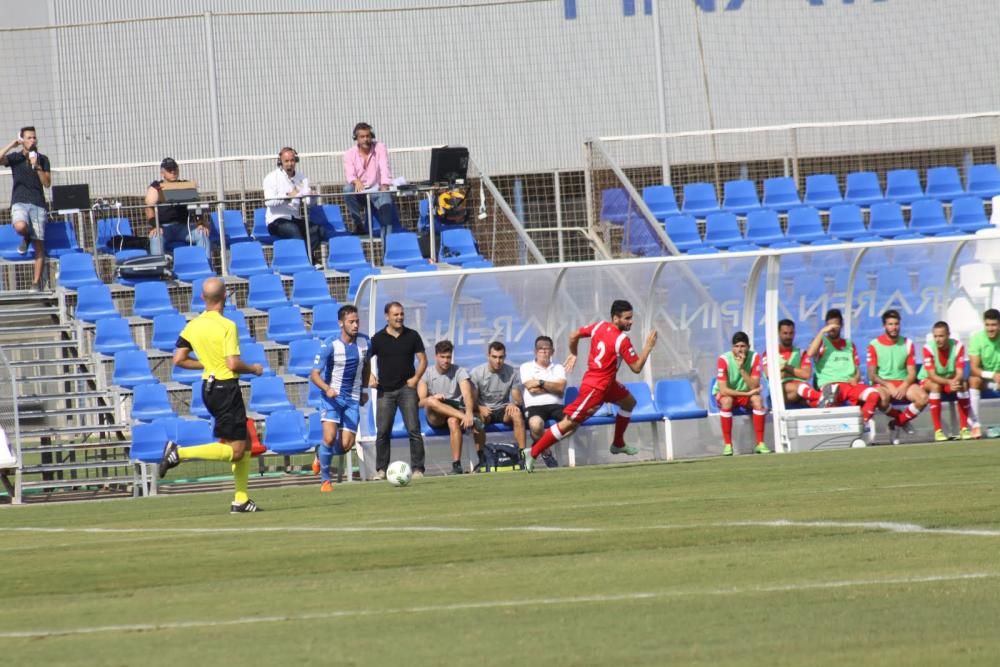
[366, 169]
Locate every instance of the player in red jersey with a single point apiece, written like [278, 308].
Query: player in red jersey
[608, 347]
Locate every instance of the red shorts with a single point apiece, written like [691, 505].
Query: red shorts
[852, 393]
[590, 399]
[738, 402]
[945, 388]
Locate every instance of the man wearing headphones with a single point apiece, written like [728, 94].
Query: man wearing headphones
[366, 169]
[285, 192]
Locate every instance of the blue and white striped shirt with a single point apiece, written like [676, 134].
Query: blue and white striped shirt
[340, 364]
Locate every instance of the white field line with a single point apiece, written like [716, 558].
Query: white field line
[494, 604]
[886, 526]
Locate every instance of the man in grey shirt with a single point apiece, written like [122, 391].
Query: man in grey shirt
[445, 394]
[498, 396]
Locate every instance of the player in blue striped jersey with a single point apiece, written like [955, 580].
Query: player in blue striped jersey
[341, 370]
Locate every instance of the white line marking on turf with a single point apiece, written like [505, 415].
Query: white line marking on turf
[887, 526]
[494, 604]
[306, 529]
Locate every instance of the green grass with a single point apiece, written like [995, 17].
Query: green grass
[661, 577]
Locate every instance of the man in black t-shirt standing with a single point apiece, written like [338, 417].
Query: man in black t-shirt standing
[28, 211]
[393, 373]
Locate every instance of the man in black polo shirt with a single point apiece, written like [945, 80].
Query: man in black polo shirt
[393, 349]
[28, 211]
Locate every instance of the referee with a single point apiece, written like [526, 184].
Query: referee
[215, 341]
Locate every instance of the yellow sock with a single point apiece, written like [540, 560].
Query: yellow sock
[241, 476]
[214, 451]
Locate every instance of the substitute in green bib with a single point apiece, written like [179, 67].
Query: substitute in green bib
[737, 384]
[796, 369]
[943, 372]
[838, 370]
[892, 367]
[984, 358]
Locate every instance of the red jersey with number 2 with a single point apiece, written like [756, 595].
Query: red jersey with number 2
[608, 346]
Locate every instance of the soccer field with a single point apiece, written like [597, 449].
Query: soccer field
[878, 556]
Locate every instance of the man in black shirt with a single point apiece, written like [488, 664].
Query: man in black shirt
[177, 227]
[28, 211]
[393, 349]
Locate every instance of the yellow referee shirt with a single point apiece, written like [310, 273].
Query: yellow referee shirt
[213, 338]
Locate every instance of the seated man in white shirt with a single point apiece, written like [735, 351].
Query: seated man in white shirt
[544, 385]
[285, 192]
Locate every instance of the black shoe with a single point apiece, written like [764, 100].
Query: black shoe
[550, 460]
[23, 248]
[456, 468]
[248, 506]
[171, 458]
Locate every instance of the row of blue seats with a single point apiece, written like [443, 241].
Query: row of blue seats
[822, 191]
[846, 223]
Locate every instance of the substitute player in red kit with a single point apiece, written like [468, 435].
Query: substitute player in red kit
[609, 346]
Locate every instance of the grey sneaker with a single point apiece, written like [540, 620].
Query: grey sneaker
[829, 396]
[529, 460]
[624, 449]
[170, 459]
[248, 506]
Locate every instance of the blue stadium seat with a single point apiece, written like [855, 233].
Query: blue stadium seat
[166, 328]
[903, 186]
[197, 301]
[236, 227]
[745, 247]
[198, 408]
[260, 232]
[315, 399]
[194, 432]
[94, 302]
[314, 429]
[700, 200]
[285, 432]
[191, 262]
[702, 250]
[325, 322]
[722, 230]
[346, 254]
[357, 276]
[247, 259]
[458, 246]
[805, 225]
[402, 250]
[675, 399]
[76, 269]
[740, 197]
[968, 215]
[290, 256]
[330, 218]
[763, 227]
[9, 241]
[421, 268]
[984, 181]
[108, 228]
[645, 409]
[927, 218]
[254, 353]
[132, 369]
[478, 264]
[309, 289]
[944, 183]
[113, 335]
[616, 207]
[267, 395]
[781, 193]
[60, 238]
[661, 200]
[301, 355]
[151, 299]
[284, 324]
[887, 220]
[847, 223]
[150, 401]
[822, 191]
[232, 313]
[266, 292]
[148, 441]
[863, 188]
[683, 231]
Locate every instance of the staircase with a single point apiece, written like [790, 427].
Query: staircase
[72, 441]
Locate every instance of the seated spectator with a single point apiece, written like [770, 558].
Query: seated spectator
[177, 225]
[498, 397]
[285, 193]
[738, 385]
[445, 394]
[544, 385]
[366, 169]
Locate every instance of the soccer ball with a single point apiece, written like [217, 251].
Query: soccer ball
[399, 473]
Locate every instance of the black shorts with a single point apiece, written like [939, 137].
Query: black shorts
[496, 416]
[553, 411]
[225, 403]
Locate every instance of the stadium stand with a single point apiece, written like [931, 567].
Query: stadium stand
[131, 369]
[247, 259]
[191, 263]
[150, 401]
[740, 197]
[152, 299]
[661, 200]
[700, 199]
[984, 181]
[309, 289]
[236, 228]
[285, 432]
[290, 257]
[903, 186]
[822, 191]
[77, 269]
[112, 334]
[722, 230]
[266, 292]
[944, 184]
[863, 188]
[166, 329]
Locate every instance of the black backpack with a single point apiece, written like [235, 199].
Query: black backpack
[501, 455]
[151, 267]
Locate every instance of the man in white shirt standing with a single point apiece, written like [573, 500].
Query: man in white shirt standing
[366, 169]
[544, 386]
[285, 192]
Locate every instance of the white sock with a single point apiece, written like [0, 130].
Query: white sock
[974, 395]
